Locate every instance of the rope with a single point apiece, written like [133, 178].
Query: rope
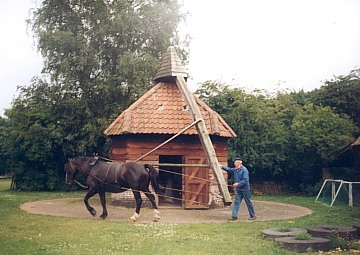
[160, 195]
[82, 186]
[186, 175]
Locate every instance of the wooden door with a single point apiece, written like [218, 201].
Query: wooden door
[196, 184]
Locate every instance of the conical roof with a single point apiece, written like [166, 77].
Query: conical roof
[170, 67]
[162, 110]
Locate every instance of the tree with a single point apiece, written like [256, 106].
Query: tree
[105, 51]
[217, 95]
[282, 137]
[342, 94]
[319, 133]
[99, 56]
[4, 156]
[260, 122]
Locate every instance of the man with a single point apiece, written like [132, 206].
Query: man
[241, 187]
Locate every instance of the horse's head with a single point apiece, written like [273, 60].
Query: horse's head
[70, 171]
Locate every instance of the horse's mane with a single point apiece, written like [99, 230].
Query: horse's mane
[82, 158]
[79, 159]
[87, 158]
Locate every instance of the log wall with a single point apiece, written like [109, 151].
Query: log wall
[131, 147]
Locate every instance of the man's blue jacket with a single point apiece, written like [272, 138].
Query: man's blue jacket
[241, 176]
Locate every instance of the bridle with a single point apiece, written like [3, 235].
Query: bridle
[68, 167]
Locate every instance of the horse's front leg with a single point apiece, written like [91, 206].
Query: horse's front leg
[88, 195]
[138, 200]
[103, 203]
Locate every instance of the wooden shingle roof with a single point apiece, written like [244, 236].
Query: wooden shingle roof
[162, 110]
[170, 67]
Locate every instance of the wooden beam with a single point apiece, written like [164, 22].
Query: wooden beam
[182, 165]
[204, 138]
[168, 140]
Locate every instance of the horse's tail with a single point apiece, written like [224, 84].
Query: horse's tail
[154, 177]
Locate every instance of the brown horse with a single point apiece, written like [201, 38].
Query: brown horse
[103, 175]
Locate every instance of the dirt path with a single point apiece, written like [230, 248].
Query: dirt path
[74, 207]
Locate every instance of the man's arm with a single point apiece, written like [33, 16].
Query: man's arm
[226, 168]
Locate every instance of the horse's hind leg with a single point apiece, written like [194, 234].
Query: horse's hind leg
[138, 200]
[103, 203]
[152, 200]
[88, 195]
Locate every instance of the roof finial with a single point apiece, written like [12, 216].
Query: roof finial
[170, 67]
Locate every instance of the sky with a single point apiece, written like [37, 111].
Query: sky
[19, 60]
[264, 44]
[273, 44]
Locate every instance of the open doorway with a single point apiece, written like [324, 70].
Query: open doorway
[171, 178]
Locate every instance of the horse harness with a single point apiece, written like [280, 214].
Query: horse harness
[93, 162]
[117, 169]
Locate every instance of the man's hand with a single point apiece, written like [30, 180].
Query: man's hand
[235, 184]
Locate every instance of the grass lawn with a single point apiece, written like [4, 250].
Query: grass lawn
[24, 233]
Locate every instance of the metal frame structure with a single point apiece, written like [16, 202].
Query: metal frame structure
[335, 191]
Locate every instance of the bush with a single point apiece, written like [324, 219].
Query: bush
[303, 236]
[310, 190]
[284, 229]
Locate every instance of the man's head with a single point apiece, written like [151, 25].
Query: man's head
[238, 162]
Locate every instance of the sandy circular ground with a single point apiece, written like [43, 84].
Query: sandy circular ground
[74, 207]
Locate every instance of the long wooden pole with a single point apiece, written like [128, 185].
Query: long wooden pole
[181, 165]
[204, 138]
[167, 141]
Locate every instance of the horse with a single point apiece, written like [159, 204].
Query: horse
[103, 175]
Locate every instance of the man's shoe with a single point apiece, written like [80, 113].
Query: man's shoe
[252, 218]
[233, 218]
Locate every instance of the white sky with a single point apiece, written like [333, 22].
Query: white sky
[19, 61]
[264, 43]
[267, 44]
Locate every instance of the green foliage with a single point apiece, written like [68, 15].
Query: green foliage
[340, 243]
[282, 137]
[310, 189]
[341, 94]
[318, 134]
[261, 124]
[4, 155]
[99, 56]
[302, 236]
[284, 229]
[105, 53]
[321, 131]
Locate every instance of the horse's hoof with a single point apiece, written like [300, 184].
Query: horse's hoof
[103, 217]
[134, 217]
[93, 213]
[156, 215]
